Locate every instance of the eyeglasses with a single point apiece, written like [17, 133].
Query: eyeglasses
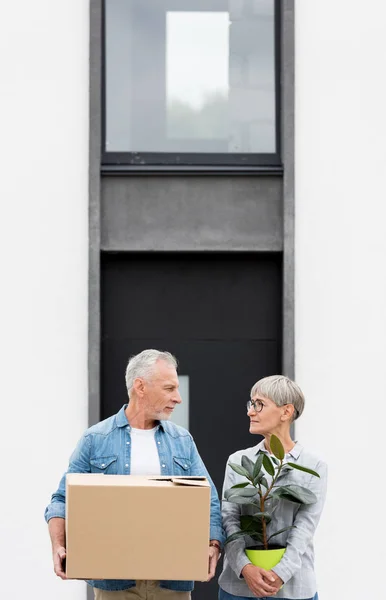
[257, 405]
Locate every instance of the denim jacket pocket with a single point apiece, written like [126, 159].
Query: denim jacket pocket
[181, 466]
[104, 464]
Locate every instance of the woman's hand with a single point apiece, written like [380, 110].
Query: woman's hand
[278, 581]
[260, 581]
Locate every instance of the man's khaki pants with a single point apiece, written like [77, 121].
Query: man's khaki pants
[144, 590]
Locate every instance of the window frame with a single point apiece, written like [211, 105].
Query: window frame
[189, 162]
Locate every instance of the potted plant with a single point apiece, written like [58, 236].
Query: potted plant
[259, 491]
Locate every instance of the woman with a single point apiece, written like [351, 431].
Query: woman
[275, 403]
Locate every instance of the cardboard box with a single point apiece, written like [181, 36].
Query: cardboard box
[130, 527]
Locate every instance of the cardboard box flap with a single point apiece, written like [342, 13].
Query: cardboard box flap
[99, 479]
[181, 480]
[197, 481]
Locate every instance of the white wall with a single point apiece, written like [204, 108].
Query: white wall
[341, 278]
[43, 275]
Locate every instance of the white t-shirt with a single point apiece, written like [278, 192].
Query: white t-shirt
[144, 453]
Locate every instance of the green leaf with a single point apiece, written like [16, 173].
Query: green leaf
[258, 537]
[228, 493]
[244, 492]
[281, 531]
[257, 524]
[241, 500]
[268, 466]
[247, 492]
[305, 469]
[262, 515]
[276, 447]
[285, 469]
[248, 465]
[274, 460]
[263, 482]
[295, 493]
[257, 467]
[246, 523]
[236, 536]
[239, 485]
[238, 469]
[252, 525]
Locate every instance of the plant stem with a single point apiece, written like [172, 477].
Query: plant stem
[263, 523]
[262, 503]
[274, 478]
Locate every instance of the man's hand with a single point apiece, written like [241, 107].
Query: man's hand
[58, 555]
[260, 582]
[57, 529]
[214, 555]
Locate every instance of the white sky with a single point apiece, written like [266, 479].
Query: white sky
[197, 55]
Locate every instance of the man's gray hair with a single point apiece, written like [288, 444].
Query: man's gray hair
[281, 390]
[143, 363]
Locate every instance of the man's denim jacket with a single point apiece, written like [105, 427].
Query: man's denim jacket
[106, 448]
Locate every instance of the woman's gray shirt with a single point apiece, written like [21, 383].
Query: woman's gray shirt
[296, 568]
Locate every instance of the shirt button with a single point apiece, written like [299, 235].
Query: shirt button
[127, 466]
[186, 466]
[158, 443]
[103, 465]
[127, 442]
[163, 466]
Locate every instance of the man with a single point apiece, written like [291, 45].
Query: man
[139, 440]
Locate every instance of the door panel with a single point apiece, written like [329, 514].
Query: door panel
[220, 314]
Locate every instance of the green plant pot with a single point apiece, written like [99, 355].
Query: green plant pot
[266, 559]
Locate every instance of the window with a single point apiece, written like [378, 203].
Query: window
[191, 82]
[180, 414]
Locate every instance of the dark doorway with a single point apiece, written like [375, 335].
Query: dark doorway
[220, 314]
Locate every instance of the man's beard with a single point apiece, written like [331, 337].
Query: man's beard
[163, 416]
